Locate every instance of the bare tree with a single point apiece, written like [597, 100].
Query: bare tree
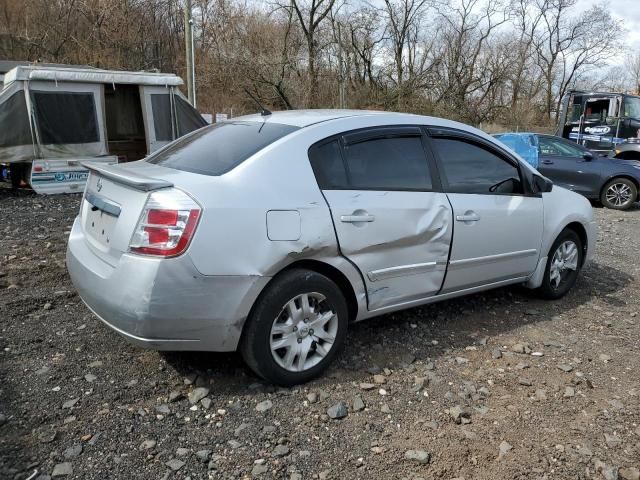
[310, 15]
[565, 45]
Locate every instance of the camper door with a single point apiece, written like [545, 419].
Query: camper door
[158, 118]
[168, 115]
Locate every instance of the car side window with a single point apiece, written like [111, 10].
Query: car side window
[471, 168]
[395, 163]
[556, 147]
[327, 165]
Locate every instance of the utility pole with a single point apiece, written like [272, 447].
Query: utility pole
[341, 72]
[188, 40]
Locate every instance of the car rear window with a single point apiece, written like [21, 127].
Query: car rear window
[219, 148]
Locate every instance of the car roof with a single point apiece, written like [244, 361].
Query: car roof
[305, 118]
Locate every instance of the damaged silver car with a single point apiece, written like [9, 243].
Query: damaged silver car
[271, 233]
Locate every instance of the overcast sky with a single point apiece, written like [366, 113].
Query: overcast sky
[627, 10]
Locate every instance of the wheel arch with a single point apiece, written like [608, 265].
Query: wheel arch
[621, 175]
[581, 231]
[333, 274]
[330, 271]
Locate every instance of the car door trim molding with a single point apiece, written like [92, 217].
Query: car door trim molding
[492, 258]
[403, 270]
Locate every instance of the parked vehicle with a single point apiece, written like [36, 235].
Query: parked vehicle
[610, 181]
[53, 118]
[605, 122]
[270, 233]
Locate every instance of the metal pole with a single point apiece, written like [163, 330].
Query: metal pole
[188, 40]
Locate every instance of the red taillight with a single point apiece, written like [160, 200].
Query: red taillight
[167, 224]
[163, 217]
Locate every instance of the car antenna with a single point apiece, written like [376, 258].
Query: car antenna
[263, 111]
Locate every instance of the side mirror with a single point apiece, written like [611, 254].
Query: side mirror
[588, 156]
[542, 184]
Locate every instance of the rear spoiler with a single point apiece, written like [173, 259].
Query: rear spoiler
[127, 177]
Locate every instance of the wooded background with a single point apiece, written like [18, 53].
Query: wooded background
[506, 62]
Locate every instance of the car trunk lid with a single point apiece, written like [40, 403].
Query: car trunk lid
[114, 199]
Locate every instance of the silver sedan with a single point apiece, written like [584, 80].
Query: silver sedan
[271, 233]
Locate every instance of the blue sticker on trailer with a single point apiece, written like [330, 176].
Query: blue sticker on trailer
[59, 177]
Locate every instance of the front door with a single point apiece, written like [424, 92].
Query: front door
[390, 220]
[564, 163]
[498, 229]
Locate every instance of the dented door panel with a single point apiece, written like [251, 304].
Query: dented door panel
[399, 241]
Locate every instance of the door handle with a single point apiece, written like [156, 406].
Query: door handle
[468, 217]
[547, 162]
[357, 218]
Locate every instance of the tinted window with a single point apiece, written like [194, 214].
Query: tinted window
[219, 148]
[552, 146]
[13, 114]
[397, 163]
[469, 168]
[65, 117]
[327, 165]
[161, 108]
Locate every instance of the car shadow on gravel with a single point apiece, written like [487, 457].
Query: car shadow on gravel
[422, 333]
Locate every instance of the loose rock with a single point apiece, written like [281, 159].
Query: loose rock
[337, 411]
[264, 406]
[198, 394]
[419, 456]
[62, 470]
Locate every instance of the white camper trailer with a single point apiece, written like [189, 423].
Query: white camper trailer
[54, 118]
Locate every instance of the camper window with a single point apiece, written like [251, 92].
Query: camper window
[161, 106]
[13, 114]
[65, 117]
[188, 118]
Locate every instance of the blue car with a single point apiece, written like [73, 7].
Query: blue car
[611, 181]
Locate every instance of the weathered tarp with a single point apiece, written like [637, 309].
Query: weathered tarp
[15, 133]
[524, 144]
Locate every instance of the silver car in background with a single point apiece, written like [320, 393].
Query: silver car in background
[271, 233]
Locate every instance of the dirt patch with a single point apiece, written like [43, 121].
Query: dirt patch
[493, 386]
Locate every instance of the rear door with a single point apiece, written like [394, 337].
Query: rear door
[390, 218]
[498, 227]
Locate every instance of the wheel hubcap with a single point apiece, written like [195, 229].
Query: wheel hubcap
[564, 260]
[304, 332]
[619, 194]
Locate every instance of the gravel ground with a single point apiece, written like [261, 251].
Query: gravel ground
[498, 385]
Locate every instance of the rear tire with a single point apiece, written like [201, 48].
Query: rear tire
[619, 194]
[563, 266]
[296, 328]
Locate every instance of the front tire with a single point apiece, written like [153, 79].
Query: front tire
[296, 328]
[563, 265]
[619, 194]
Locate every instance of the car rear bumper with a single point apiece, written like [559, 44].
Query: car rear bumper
[164, 304]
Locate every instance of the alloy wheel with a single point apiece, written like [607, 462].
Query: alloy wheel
[304, 332]
[563, 262]
[619, 194]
